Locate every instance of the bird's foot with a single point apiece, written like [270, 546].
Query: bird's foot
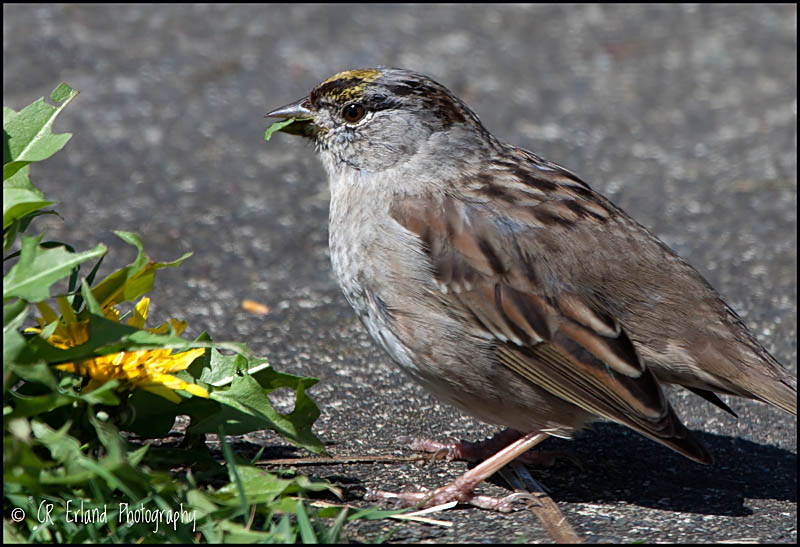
[451, 492]
[462, 489]
[473, 452]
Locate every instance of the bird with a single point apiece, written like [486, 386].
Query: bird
[506, 286]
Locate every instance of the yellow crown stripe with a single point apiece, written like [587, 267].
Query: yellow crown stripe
[358, 80]
[366, 74]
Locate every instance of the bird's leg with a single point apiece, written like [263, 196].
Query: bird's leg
[461, 489]
[478, 451]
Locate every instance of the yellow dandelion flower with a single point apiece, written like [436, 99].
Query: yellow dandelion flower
[146, 369]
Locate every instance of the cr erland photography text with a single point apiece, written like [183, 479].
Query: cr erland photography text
[123, 513]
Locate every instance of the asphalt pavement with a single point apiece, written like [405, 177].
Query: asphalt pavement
[685, 116]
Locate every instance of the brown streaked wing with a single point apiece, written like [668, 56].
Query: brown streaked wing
[560, 342]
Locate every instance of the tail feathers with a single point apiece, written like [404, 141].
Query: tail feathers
[712, 398]
[758, 376]
[778, 392]
[773, 384]
[781, 393]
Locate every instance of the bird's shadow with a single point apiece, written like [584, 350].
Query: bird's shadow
[622, 466]
[619, 465]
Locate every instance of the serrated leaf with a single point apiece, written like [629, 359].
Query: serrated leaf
[62, 446]
[33, 405]
[261, 486]
[109, 436]
[18, 202]
[27, 405]
[222, 369]
[21, 181]
[38, 268]
[133, 280]
[7, 113]
[27, 135]
[103, 395]
[62, 93]
[246, 407]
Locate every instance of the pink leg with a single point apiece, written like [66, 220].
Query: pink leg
[461, 489]
[479, 451]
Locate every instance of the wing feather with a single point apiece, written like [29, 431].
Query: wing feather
[561, 341]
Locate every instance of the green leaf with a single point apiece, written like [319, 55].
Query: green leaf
[103, 395]
[105, 470]
[25, 405]
[7, 113]
[246, 407]
[62, 446]
[21, 465]
[332, 535]
[233, 473]
[135, 457]
[133, 280]
[222, 369]
[38, 268]
[33, 372]
[200, 502]
[20, 197]
[261, 486]
[62, 93]
[277, 126]
[19, 226]
[113, 442]
[306, 530]
[27, 135]
[33, 405]
[236, 533]
[14, 315]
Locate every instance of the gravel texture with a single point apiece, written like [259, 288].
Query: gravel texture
[685, 116]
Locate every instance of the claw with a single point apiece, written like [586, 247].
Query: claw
[446, 454]
[516, 496]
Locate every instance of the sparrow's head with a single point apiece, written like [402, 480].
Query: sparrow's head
[371, 119]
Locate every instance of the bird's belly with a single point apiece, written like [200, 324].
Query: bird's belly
[386, 280]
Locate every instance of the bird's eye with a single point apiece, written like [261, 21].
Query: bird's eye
[353, 112]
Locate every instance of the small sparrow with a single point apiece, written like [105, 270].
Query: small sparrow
[506, 286]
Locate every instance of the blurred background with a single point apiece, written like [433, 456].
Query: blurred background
[685, 116]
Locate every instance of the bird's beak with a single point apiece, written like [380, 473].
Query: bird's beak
[298, 109]
[303, 117]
